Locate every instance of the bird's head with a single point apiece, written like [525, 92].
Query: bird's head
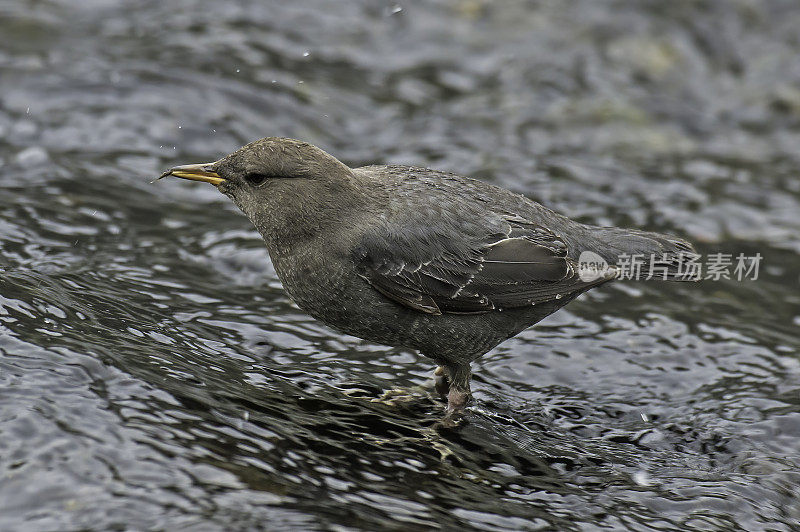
[277, 182]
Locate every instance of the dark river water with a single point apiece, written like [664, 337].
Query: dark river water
[154, 375]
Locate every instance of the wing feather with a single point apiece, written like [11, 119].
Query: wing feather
[511, 263]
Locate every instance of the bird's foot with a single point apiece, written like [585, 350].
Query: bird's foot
[441, 382]
[452, 384]
[457, 400]
[398, 396]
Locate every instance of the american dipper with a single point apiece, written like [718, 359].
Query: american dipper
[418, 258]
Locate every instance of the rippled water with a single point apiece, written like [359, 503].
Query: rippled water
[153, 374]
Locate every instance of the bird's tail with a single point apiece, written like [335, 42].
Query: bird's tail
[645, 255]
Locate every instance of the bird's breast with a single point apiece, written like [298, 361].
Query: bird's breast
[322, 281]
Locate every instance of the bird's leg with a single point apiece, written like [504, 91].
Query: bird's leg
[441, 382]
[458, 394]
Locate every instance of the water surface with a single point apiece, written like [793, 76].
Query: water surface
[154, 375]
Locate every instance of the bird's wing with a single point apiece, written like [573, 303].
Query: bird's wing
[444, 264]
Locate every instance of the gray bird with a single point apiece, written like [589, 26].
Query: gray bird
[413, 257]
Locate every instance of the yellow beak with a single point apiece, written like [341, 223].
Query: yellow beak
[195, 172]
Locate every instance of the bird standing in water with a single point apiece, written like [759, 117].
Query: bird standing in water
[413, 257]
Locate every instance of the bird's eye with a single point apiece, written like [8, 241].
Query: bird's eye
[256, 179]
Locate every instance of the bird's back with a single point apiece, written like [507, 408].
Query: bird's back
[456, 200]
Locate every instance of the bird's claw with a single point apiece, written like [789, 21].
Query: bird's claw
[399, 396]
[441, 382]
